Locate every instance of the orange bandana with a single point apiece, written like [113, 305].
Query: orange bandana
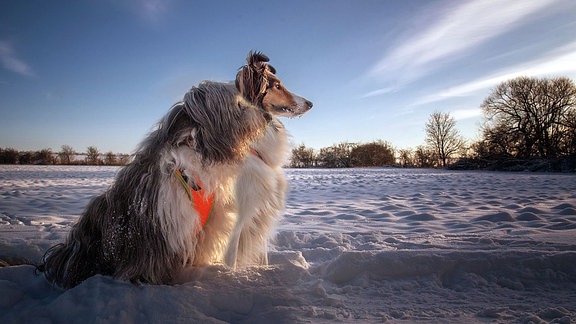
[202, 204]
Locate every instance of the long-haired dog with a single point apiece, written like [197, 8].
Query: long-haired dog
[173, 206]
[261, 186]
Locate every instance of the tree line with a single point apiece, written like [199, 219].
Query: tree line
[529, 124]
[66, 156]
[351, 155]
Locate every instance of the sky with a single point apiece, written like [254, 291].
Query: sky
[102, 73]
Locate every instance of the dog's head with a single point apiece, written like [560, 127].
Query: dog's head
[257, 82]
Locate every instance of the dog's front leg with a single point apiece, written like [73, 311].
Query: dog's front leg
[241, 197]
[259, 194]
[232, 249]
[244, 239]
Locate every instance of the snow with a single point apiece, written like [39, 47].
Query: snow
[366, 245]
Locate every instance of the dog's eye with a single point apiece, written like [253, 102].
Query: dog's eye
[278, 86]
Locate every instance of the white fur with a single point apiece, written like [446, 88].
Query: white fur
[179, 217]
[260, 189]
[260, 195]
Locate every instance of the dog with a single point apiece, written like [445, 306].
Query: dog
[261, 186]
[174, 206]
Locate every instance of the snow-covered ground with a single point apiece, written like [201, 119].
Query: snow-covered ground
[366, 245]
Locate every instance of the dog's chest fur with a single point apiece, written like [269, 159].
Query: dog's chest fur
[273, 146]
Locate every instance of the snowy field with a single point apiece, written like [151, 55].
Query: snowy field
[355, 245]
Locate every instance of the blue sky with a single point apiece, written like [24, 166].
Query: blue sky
[102, 73]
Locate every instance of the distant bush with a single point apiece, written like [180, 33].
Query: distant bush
[377, 153]
[8, 156]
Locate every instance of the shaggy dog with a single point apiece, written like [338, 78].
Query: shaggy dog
[173, 206]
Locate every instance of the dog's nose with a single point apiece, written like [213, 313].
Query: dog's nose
[309, 104]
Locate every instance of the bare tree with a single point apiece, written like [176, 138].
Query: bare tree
[531, 116]
[302, 157]
[336, 156]
[424, 157]
[43, 157]
[405, 158]
[26, 157]
[569, 144]
[92, 155]
[9, 156]
[110, 158]
[442, 136]
[66, 154]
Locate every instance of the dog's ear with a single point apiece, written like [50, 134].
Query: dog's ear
[251, 80]
[259, 62]
[256, 59]
[245, 84]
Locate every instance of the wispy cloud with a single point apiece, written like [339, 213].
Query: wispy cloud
[378, 92]
[455, 31]
[151, 10]
[561, 61]
[462, 114]
[12, 62]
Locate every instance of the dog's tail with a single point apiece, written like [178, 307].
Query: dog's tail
[58, 265]
[68, 264]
